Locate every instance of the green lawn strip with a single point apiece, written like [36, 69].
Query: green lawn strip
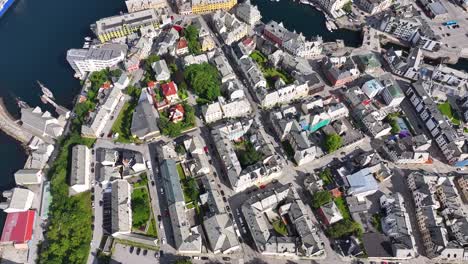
[447, 110]
[180, 171]
[140, 208]
[143, 182]
[69, 230]
[376, 223]
[341, 204]
[136, 244]
[152, 230]
[280, 227]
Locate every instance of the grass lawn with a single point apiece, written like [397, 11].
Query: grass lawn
[140, 208]
[270, 73]
[123, 123]
[280, 228]
[180, 171]
[326, 177]
[152, 230]
[447, 111]
[341, 204]
[258, 57]
[376, 223]
[143, 182]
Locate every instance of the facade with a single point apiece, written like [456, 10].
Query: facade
[138, 5]
[161, 70]
[122, 25]
[248, 13]
[96, 58]
[28, 176]
[229, 27]
[101, 116]
[121, 215]
[207, 6]
[373, 6]
[333, 7]
[224, 68]
[207, 43]
[392, 93]
[80, 174]
[292, 42]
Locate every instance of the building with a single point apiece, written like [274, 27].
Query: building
[462, 182]
[80, 174]
[281, 203]
[96, 58]
[138, 52]
[212, 112]
[221, 235]
[122, 82]
[229, 27]
[121, 209]
[248, 13]
[407, 150]
[17, 200]
[145, 118]
[176, 113]
[169, 91]
[373, 6]
[18, 228]
[122, 25]
[161, 70]
[166, 42]
[362, 183]
[187, 239]
[197, 59]
[95, 126]
[368, 63]
[329, 213]
[224, 68]
[372, 88]
[199, 164]
[340, 70]
[182, 47]
[333, 7]
[391, 93]
[292, 42]
[396, 225]
[403, 28]
[207, 6]
[207, 43]
[41, 124]
[138, 5]
[408, 67]
[28, 177]
[434, 9]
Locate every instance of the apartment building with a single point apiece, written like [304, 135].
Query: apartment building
[248, 13]
[121, 208]
[373, 6]
[96, 58]
[340, 70]
[80, 174]
[138, 5]
[207, 6]
[229, 27]
[333, 7]
[403, 28]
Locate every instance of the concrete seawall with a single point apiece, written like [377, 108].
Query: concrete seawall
[11, 127]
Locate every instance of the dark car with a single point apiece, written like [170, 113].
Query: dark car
[226, 258]
[152, 183]
[204, 258]
[145, 252]
[222, 192]
[131, 249]
[224, 199]
[161, 253]
[138, 251]
[159, 218]
[228, 208]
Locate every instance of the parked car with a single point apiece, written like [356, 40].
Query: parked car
[152, 183]
[131, 249]
[138, 251]
[159, 218]
[145, 252]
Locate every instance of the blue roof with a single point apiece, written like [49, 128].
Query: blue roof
[362, 181]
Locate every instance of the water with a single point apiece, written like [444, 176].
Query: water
[35, 35]
[305, 19]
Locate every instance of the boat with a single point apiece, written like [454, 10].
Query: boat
[87, 39]
[46, 91]
[329, 26]
[22, 104]
[305, 2]
[4, 5]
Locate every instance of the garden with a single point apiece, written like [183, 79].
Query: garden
[270, 73]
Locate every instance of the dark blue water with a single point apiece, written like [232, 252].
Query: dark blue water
[305, 19]
[35, 35]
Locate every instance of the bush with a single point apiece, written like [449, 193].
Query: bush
[321, 198]
[333, 142]
[344, 228]
[326, 176]
[280, 228]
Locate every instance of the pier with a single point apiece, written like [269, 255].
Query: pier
[11, 127]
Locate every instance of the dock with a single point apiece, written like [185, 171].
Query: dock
[11, 127]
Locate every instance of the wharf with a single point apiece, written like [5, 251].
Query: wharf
[11, 127]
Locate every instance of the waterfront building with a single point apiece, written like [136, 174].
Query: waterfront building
[80, 174]
[292, 42]
[229, 27]
[28, 177]
[138, 5]
[121, 208]
[96, 58]
[403, 28]
[248, 13]
[333, 7]
[18, 229]
[17, 200]
[122, 25]
[42, 124]
[373, 6]
[207, 6]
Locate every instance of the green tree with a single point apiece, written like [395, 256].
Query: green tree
[344, 228]
[191, 34]
[247, 154]
[180, 149]
[321, 198]
[333, 142]
[348, 7]
[205, 80]
[116, 73]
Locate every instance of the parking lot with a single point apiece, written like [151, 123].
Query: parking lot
[130, 254]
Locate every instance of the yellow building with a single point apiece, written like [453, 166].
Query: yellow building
[120, 26]
[207, 6]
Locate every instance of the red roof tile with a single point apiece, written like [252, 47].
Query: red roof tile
[151, 84]
[18, 227]
[179, 108]
[169, 89]
[182, 43]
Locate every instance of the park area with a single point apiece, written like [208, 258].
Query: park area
[142, 214]
[270, 73]
[447, 110]
[189, 187]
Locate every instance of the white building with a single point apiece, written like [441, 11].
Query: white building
[229, 27]
[95, 58]
[199, 165]
[102, 114]
[17, 200]
[121, 208]
[373, 6]
[248, 13]
[161, 70]
[42, 124]
[333, 6]
[122, 82]
[80, 174]
[138, 5]
[403, 28]
[28, 176]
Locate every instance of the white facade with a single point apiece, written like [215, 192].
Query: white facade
[138, 5]
[80, 174]
[229, 27]
[96, 58]
[284, 94]
[248, 13]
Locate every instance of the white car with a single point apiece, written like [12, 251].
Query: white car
[148, 164]
[163, 240]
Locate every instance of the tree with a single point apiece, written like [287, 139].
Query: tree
[348, 7]
[150, 60]
[191, 34]
[321, 198]
[344, 228]
[333, 142]
[247, 154]
[116, 73]
[180, 149]
[204, 80]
